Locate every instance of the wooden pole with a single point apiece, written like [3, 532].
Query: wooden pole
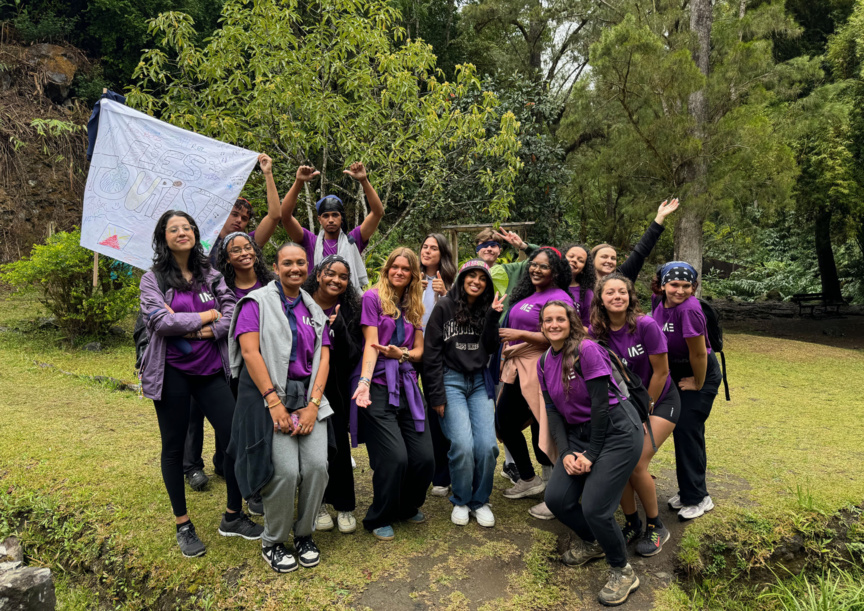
[96, 254]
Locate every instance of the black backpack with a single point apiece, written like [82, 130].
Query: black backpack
[630, 385]
[714, 331]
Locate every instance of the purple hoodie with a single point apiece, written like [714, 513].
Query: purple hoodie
[162, 324]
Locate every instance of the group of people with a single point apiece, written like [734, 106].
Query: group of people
[429, 367]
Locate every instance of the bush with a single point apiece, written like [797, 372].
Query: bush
[47, 27]
[62, 271]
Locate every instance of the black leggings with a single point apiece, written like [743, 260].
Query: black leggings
[511, 415]
[214, 398]
[340, 485]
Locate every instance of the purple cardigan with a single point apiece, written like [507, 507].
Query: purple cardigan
[162, 324]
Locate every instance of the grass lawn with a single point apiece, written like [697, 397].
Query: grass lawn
[80, 462]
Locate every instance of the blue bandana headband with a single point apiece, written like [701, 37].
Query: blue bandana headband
[330, 203]
[678, 270]
[488, 244]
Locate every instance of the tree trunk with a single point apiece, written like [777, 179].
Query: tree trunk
[825, 254]
[689, 238]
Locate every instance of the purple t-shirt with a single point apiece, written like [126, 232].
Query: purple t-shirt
[204, 358]
[330, 246]
[241, 293]
[635, 348]
[584, 313]
[678, 323]
[249, 321]
[525, 315]
[371, 315]
[575, 405]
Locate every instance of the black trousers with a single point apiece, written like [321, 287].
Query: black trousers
[691, 458]
[401, 459]
[511, 415]
[440, 448]
[340, 486]
[213, 395]
[194, 445]
[587, 503]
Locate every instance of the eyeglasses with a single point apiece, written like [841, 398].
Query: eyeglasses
[541, 266]
[238, 250]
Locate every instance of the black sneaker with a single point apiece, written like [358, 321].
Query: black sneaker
[241, 527]
[510, 472]
[279, 559]
[631, 531]
[189, 543]
[653, 540]
[256, 505]
[307, 552]
[197, 480]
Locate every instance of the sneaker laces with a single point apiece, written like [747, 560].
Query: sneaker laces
[277, 553]
[246, 521]
[305, 544]
[323, 513]
[188, 534]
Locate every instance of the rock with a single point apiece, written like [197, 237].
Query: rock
[10, 550]
[59, 66]
[47, 323]
[664, 578]
[774, 295]
[8, 566]
[93, 347]
[117, 330]
[27, 589]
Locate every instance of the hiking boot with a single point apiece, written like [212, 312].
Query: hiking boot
[346, 522]
[675, 503]
[255, 505]
[324, 521]
[279, 559]
[460, 515]
[307, 552]
[652, 541]
[197, 480]
[582, 552]
[484, 516]
[524, 488]
[510, 471]
[440, 491]
[622, 582]
[384, 533]
[690, 512]
[189, 543]
[241, 527]
[541, 512]
[631, 531]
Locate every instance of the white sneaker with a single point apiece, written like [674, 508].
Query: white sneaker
[691, 512]
[459, 515]
[353, 463]
[440, 490]
[484, 516]
[524, 488]
[324, 521]
[346, 521]
[546, 473]
[675, 502]
[541, 512]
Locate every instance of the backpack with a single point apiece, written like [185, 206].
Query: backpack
[714, 330]
[628, 386]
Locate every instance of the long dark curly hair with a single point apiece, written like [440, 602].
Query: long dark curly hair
[349, 301]
[164, 262]
[262, 272]
[474, 314]
[571, 344]
[561, 275]
[600, 322]
[586, 278]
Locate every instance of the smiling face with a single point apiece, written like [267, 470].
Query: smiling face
[616, 297]
[399, 273]
[490, 254]
[179, 234]
[555, 324]
[474, 284]
[605, 261]
[333, 280]
[238, 220]
[576, 257]
[291, 267]
[430, 254]
[331, 222]
[540, 271]
[677, 291]
[241, 254]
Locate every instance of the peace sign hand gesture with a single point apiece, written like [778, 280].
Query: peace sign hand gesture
[438, 285]
[511, 238]
[498, 304]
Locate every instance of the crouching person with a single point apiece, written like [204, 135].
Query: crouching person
[280, 352]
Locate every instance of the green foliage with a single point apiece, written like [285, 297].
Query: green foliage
[62, 272]
[832, 590]
[88, 86]
[46, 27]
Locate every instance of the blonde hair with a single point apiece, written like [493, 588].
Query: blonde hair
[412, 300]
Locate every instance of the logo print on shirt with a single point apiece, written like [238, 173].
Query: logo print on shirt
[307, 321]
[527, 307]
[669, 327]
[635, 350]
[204, 296]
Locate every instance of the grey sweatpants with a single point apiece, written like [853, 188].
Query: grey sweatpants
[299, 461]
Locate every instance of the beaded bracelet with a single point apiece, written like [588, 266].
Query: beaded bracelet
[269, 392]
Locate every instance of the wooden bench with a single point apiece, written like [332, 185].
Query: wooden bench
[817, 300]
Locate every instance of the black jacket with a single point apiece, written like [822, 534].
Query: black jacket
[346, 350]
[633, 265]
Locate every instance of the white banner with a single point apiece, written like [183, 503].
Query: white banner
[142, 167]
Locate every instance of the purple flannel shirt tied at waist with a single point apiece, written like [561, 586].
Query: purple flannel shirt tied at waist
[399, 377]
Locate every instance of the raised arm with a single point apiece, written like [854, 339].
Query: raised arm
[369, 226]
[305, 173]
[268, 224]
[634, 263]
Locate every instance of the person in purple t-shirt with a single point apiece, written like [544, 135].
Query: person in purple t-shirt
[392, 414]
[618, 322]
[582, 284]
[599, 440]
[186, 358]
[334, 237]
[695, 370]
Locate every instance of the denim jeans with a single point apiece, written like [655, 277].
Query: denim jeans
[469, 424]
